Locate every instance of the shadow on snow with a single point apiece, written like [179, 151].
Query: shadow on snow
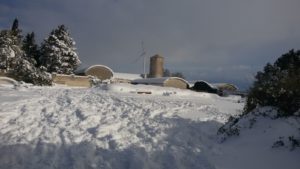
[184, 147]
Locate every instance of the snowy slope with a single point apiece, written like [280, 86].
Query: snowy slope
[47, 127]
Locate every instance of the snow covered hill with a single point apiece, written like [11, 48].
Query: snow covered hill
[114, 127]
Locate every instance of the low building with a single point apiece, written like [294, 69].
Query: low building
[222, 89]
[125, 77]
[6, 81]
[72, 80]
[226, 87]
[105, 73]
[203, 86]
[175, 82]
[100, 71]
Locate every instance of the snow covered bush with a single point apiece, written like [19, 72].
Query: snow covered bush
[27, 72]
[95, 81]
[290, 142]
[58, 52]
[278, 85]
[294, 142]
[264, 122]
[229, 129]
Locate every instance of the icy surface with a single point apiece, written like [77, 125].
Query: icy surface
[114, 127]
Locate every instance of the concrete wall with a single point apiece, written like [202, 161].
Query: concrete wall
[156, 66]
[72, 80]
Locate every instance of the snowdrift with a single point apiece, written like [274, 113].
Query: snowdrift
[53, 127]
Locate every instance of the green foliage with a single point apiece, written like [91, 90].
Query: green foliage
[278, 85]
[31, 49]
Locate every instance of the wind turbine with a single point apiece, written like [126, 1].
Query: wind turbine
[143, 54]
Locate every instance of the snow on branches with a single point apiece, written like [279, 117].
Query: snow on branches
[58, 52]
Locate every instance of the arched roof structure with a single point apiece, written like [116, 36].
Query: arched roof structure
[175, 82]
[226, 86]
[102, 72]
[7, 81]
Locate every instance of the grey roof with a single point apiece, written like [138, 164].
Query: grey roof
[158, 81]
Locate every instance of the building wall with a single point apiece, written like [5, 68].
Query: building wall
[156, 66]
[72, 80]
[176, 83]
[203, 86]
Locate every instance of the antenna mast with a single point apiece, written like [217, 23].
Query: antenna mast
[144, 59]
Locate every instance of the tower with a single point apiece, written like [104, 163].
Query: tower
[156, 66]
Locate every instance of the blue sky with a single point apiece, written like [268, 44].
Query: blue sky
[212, 40]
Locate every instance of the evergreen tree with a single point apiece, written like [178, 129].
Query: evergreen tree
[16, 32]
[16, 62]
[6, 52]
[167, 73]
[10, 47]
[10, 50]
[278, 85]
[178, 74]
[58, 52]
[15, 25]
[31, 49]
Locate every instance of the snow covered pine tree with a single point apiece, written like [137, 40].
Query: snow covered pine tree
[31, 49]
[7, 53]
[278, 85]
[10, 47]
[13, 59]
[58, 52]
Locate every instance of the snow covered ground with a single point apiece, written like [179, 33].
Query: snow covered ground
[114, 127]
